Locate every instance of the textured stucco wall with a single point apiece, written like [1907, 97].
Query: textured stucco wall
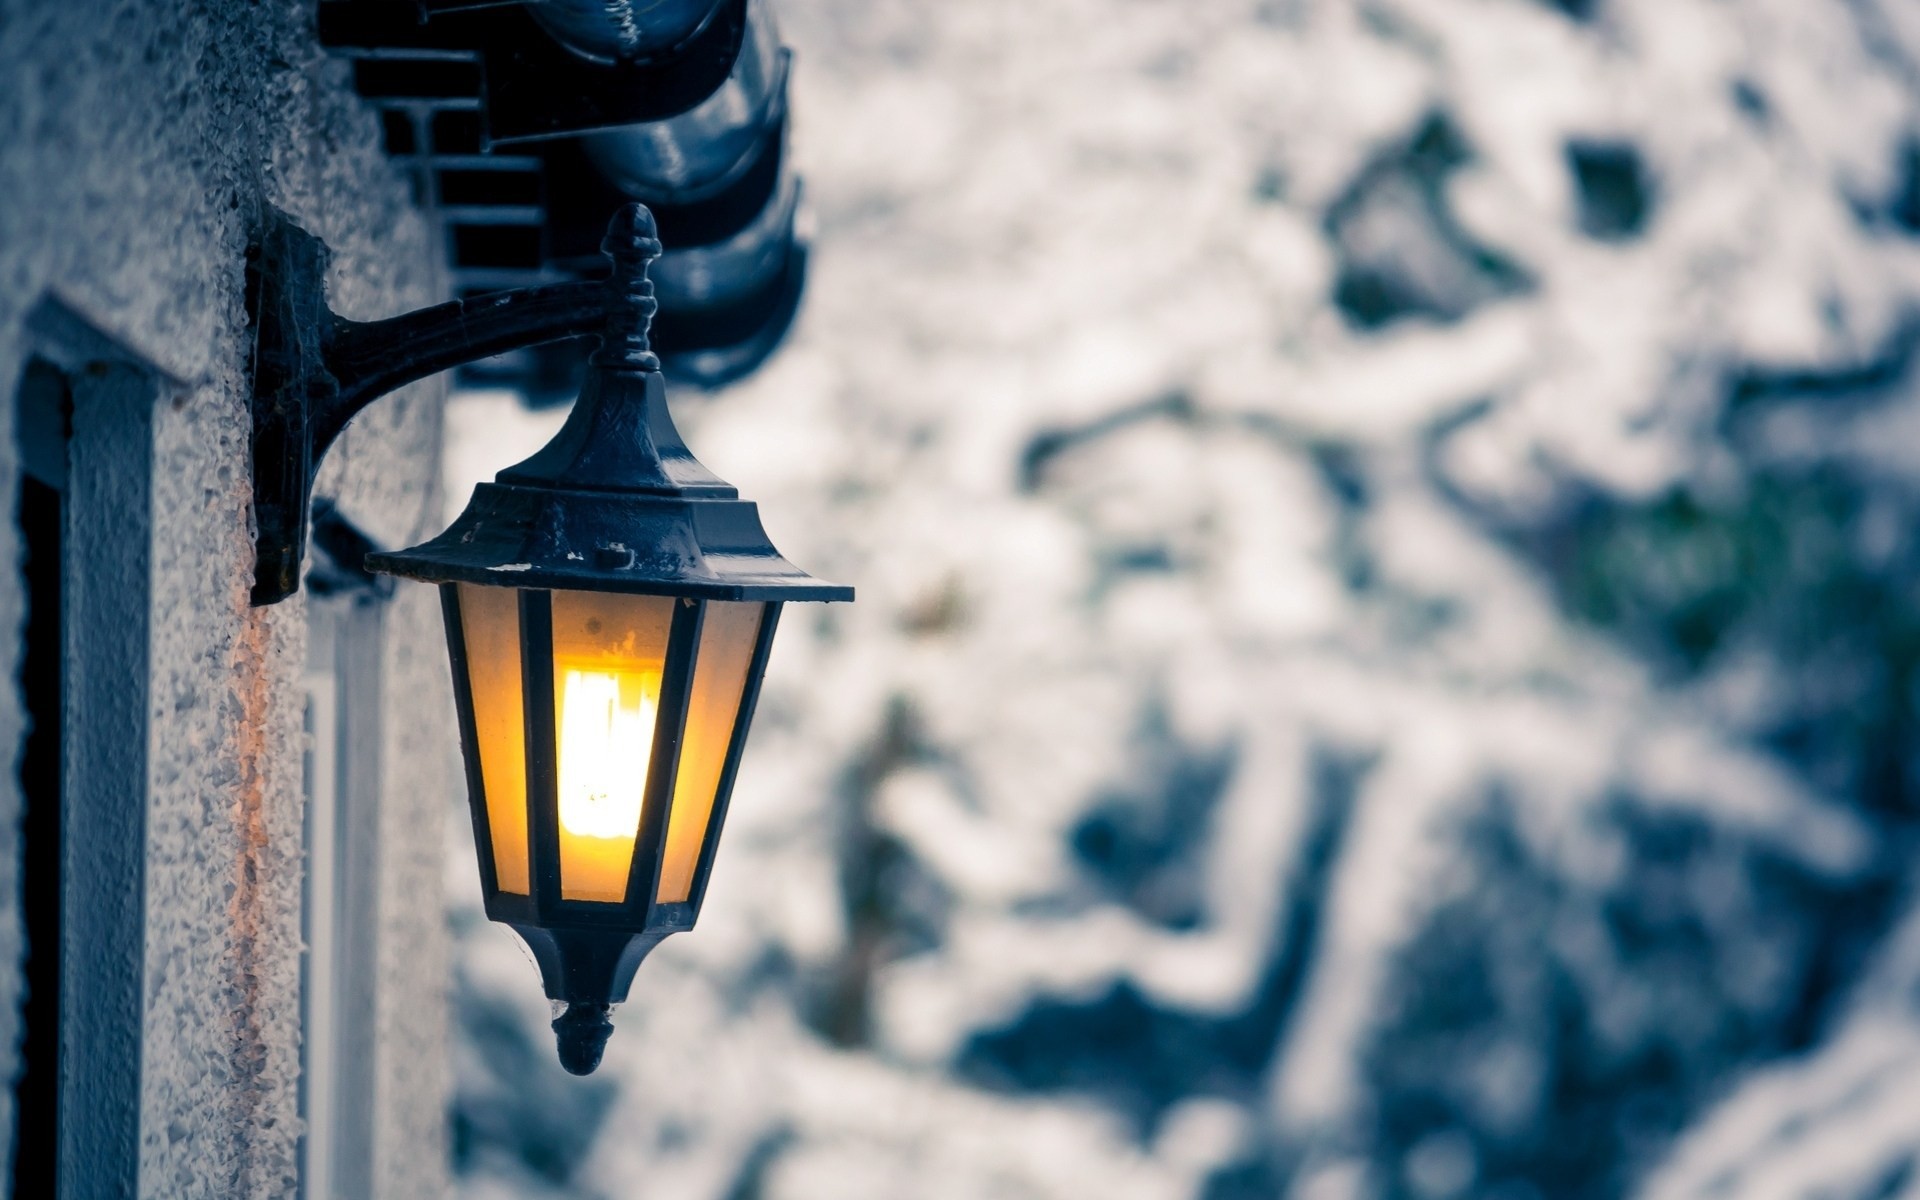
[411, 1078]
[143, 139]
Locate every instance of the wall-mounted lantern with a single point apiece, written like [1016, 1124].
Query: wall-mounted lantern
[609, 606]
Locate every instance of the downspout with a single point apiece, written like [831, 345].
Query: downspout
[609, 30]
[716, 175]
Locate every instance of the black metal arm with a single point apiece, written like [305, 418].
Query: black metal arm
[313, 371]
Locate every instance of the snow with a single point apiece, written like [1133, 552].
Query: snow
[1273, 750]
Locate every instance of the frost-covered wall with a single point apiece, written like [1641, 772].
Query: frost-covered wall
[143, 142]
[1386, 652]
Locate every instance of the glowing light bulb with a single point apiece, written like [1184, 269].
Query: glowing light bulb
[606, 742]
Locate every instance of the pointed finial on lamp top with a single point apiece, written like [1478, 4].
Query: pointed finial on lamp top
[582, 1032]
[632, 242]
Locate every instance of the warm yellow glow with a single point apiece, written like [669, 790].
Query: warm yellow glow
[605, 724]
[606, 739]
[490, 623]
[719, 683]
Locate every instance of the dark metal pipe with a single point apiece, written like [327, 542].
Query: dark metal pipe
[681, 159]
[717, 171]
[720, 274]
[609, 31]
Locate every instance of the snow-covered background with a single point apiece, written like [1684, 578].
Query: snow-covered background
[1388, 641]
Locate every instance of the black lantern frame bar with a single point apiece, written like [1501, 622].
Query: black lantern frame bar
[605, 940]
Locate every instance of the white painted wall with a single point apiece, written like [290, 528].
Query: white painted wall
[143, 139]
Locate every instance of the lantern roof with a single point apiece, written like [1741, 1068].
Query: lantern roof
[615, 502]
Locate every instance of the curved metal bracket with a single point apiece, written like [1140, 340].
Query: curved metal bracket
[314, 371]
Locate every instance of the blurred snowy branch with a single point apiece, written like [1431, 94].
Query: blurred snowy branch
[1386, 654]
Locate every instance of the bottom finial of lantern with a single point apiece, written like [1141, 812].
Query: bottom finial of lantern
[586, 972]
[582, 1032]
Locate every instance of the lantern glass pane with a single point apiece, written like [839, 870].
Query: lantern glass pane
[608, 654]
[490, 625]
[727, 639]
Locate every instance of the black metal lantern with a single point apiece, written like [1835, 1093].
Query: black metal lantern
[609, 606]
